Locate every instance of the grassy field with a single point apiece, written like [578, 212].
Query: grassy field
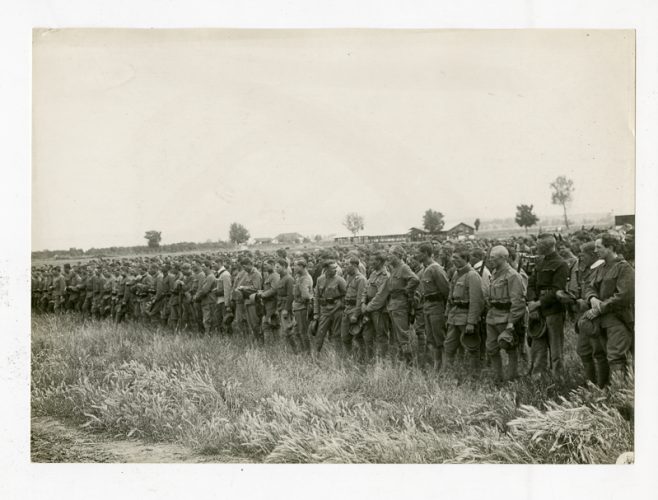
[227, 398]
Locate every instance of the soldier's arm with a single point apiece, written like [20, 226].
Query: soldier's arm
[475, 298]
[360, 293]
[159, 288]
[412, 281]
[517, 307]
[532, 284]
[342, 286]
[289, 295]
[205, 288]
[316, 302]
[441, 281]
[624, 291]
[379, 300]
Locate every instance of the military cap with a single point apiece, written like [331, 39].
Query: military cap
[589, 327]
[471, 340]
[506, 340]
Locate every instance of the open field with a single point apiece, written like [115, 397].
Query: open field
[219, 400]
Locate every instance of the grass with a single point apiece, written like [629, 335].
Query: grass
[231, 398]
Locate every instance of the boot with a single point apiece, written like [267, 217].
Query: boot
[475, 365]
[437, 361]
[617, 371]
[591, 373]
[512, 365]
[497, 367]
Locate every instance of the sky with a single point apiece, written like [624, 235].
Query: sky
[187, 131]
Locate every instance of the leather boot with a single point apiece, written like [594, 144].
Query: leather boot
[497, 367]
[512, 366]
[617, 371]
[590, 370]
[438, 359]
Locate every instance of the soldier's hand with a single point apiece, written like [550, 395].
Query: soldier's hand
[470, 329]
[534, 305]
[591, 314]
[353, 319]
[364, 308]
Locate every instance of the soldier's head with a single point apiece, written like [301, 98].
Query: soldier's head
[186, 269]
[300, 266]
[269, 265]
[425, 252]
[377, 260]
[247, 264]
[608, 246]
[476, 255]
[460, 256]
[546, 244]
[330, 268]
[395, 255]
[281, 266]
[353, 265]
[498, 256]
[512, 255]
[587, 253]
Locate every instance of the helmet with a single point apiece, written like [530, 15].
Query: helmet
[589, 327]
[471, 340]
[506, 340]
[536, 326]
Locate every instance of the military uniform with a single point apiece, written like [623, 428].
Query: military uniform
[506, 306]
[614, 284]
[434, 288]
[328, 307]
[397, 294]
[377, 326]
[550, 275]
[465, 306]
[223, 298]
[250, 284]
[206, 297]
[270, 323]
[354, 296]
[302, 293]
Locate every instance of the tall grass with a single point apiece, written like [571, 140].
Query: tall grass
[227, 396]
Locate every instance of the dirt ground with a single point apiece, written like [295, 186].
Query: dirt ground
[53, 441]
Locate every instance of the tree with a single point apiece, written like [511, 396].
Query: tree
[433, 221]
[153, 238]
[317, 237]
[562, 194]
[477, 225]
[238, 234]
[353, 222]
[524, 216]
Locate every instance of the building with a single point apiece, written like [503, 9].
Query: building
[459, 231]
[287, 238]
[620, 220]
[262, 241]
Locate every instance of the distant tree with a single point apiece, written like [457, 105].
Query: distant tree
[433, 221]
[354, 223]
[154, 238]
[524, 216]
[562, 194]
[238, 234]
[477, 225]
[317, 237]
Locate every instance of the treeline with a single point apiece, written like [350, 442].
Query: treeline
[184, 246]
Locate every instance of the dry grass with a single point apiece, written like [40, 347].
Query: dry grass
[225, 396]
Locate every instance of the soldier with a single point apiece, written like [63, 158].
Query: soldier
[302, 293]
[223, 297]
[174, 285]
[73, 290]
[328, 306]
[434, 288]
[550, 275]
[188, 312]
[465, 305]
[160, 297]
[610, 295]
[98, 286]
[506, 307]
[377, 325]
[198, 278]
[398, 295]
[250, 284]
[418, 323]
[237, 298]
[355, 287]
[271, 323]
[521, 327]
[206, 297]
[59, 291]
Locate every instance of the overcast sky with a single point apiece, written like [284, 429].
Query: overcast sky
[187, 131]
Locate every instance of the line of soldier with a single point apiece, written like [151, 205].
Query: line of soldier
[430, 313]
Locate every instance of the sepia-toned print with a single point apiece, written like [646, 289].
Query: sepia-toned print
[333, 246]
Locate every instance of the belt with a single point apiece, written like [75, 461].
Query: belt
[433, 297]
[462, 305]
[350, 302]
[503, 306]
[328, 301]
[399, 293]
